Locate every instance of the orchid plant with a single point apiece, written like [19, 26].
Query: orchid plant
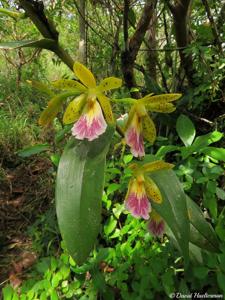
[90, 111]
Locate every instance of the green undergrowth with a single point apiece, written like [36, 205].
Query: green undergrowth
[128, 262]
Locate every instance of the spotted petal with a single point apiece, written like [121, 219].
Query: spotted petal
[42, 87]
[164, 98]
[160, 107]
[53, 108]
[84, 75]
[106, 108]
[109, 83]
[67, 84]
[149, 130]
[74, 109]
[152, 190]
[157, 165]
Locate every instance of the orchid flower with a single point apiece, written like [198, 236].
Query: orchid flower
[142, 189]
[156, 224]
[139, 124]
[90, 111]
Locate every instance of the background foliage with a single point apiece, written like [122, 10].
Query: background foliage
[165, 54]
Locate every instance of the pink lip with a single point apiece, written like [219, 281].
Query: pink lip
[90, 127]
[134, 139]
[138, 206]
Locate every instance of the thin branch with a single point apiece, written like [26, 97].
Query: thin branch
[213, 26]
[142, 26]
[199, 119]
[125, 24]
[90, 26]
[35, 11]
[128, 56]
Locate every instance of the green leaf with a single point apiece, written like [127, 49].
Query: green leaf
[207, 139]
[220, 227]
[36, 149]
[8, 292]
[127, 158]
[220, 193]
[79, 188]
[112, 188]
[205, 236]
[199, 240]
[185, 129]
[163, 150]
[13, 14]
[43, 296]
[196, 254]
[61, 134]
[54, 295]
[110, 226]
[173, 209]
[15, 297]
[200, 272]
[56, 278]
[43, 44]
[55, 159]
[201, 142]
[221, 280]
[216, 153]
[168, 281]
[210, 202]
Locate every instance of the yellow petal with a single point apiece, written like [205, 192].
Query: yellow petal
[161, 98]
[74, 109]
[66, 84]
[109, 83]
[152, 191]
[160, 107]
[148, 127]
[106, 108]
[54, 106]
[51, 111]
[157, 165]
[42, 87]
[84, 75]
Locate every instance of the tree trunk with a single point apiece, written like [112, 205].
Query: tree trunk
[181, 13]
[133, 45]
